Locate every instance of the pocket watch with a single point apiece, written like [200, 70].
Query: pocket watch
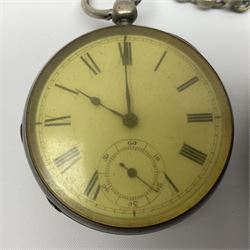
[127, 128]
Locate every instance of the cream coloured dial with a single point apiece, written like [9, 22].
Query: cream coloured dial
[128, 127]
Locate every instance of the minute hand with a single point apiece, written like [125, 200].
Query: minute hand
[128, 98]
[130, 120]
[126, 56]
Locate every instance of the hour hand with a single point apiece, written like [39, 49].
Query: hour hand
[97, 102]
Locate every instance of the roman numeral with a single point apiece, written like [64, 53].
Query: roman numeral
[126, 52]
[205, 117]
[171, 183]
[66, 89]
[93, 188]
[188, 84]
[193, 154]
[160, 61]
[68, 159]
[58, 121]
[91, 64]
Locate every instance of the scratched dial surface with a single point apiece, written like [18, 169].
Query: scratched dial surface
[128, 127]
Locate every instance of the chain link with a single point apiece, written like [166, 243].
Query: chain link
[236, 5]
[125, 11]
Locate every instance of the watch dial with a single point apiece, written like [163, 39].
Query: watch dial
[128, 127]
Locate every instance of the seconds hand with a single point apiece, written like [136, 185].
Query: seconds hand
[132, 173]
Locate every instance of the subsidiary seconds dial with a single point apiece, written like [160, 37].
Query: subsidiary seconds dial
[132, 173]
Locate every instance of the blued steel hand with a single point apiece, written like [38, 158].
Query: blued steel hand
[132, 173]
[97, 102]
